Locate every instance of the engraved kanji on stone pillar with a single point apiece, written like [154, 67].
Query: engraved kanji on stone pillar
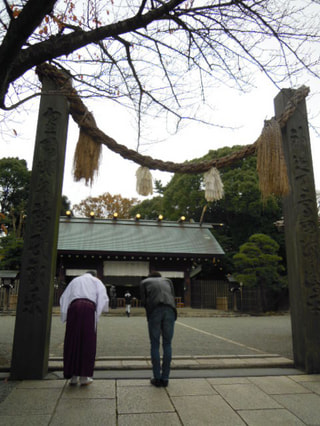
[33, 319]
[302, 237]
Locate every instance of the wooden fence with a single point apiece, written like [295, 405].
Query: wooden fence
[9, 297]
[212, 294]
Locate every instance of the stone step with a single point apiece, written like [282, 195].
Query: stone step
[196, 362]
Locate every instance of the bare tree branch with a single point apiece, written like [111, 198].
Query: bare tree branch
[19, 30]
[157, 56]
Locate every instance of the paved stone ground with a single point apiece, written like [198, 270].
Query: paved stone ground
[283, 400]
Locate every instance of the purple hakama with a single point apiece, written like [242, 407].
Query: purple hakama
[80, 341]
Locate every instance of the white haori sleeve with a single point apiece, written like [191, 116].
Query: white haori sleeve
[102, 303]
[65, 300]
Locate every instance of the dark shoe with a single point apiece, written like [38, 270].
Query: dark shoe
[164, 383]
[156, 382]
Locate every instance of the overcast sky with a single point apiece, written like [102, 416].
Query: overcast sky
[245, 113]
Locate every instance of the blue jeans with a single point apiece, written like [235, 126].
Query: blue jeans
[161, 322]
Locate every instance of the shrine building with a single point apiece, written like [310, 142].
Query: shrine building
[124, 251]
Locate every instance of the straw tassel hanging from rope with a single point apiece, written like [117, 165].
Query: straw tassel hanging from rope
[144, 181]
[86, 157]
[213, 185]
[271, 165]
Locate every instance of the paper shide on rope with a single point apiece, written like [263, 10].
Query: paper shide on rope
[144, 181]
[213, 185]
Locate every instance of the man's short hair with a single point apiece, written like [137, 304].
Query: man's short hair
[154, 274]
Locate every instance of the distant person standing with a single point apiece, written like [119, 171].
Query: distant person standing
[157, 296]
[113, 297]
[128, 299]
[7, 285]
[81, 305]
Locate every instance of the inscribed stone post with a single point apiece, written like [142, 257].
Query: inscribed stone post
[33, 319]
[302, 237]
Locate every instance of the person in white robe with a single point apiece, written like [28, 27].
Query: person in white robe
[81, 305]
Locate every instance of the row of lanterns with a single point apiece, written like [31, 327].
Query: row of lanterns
[137, 217]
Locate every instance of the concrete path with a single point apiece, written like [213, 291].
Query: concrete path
[219, 334]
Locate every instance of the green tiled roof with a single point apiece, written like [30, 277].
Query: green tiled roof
[134, 237]
[8, 274]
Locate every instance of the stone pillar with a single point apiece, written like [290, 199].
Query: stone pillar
[33, 319]
[302, 237]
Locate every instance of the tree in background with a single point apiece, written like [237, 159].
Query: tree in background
[258, 265]
[14, 195]
[181, 197]
[184, 197]
[149, 209]
[14, 192]
[105, 206]
[242, 208]
[11, 252]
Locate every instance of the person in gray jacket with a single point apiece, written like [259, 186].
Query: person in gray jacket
[157, 296]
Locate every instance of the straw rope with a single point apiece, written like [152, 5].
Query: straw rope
[86, 122]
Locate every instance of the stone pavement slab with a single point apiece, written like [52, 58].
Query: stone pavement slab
[86, 411]
[205, 410]
[25, 420]
[278, 385]
[146, 399]
[246, 396]
[275, 417]
[188, 387]
[304, 406]
[153, 419]
[27, 401]
[102, 389]
[227, 380]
